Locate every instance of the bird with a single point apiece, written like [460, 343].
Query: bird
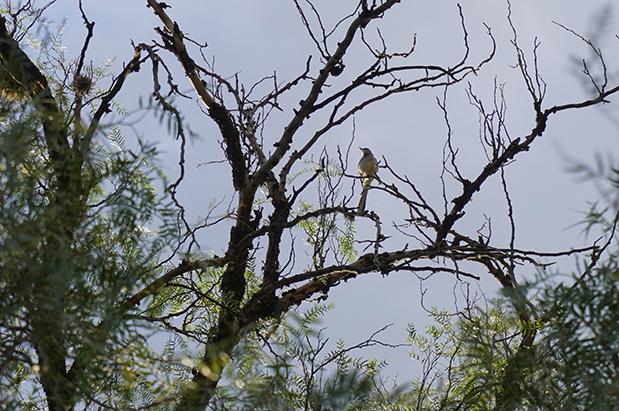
[367, 168]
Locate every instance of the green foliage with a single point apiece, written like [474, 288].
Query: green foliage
[112, 247]
[325, 236]
[292, 368]
[572, 366]
[581, 342]
[463, 357]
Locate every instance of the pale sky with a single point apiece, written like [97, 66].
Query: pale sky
[254, 38]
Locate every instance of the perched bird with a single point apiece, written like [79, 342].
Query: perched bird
[367, 168]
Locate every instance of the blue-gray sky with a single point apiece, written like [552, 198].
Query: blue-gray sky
[255, 38]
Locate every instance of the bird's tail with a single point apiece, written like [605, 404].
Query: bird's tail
[362, 198]
[364, 195]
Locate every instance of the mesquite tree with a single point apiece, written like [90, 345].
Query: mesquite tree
[84, 282]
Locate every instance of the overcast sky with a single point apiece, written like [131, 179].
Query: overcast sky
[254, 38]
